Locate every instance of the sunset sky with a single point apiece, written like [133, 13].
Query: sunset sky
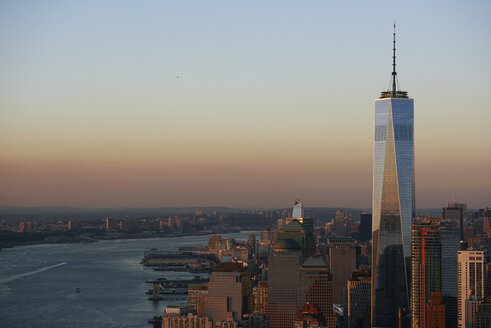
[237, 103]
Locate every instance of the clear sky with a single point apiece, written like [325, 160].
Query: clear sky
[236, 103]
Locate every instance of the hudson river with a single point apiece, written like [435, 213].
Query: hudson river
[37, 283]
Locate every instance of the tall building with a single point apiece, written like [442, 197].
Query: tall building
[297, 209]
[357, 305]
[435, 314]
[471, 307]
[307, 224]
[267, 237]
[455, 212]
[426, 269]
[340, 224]
[393, 202]
[260, 295]
[316, 288]
[295, 230]
[471, 273]
[283, 269]
[342, 262]
[229, 293]
[365, 226]
[450, 239]
[483, 315]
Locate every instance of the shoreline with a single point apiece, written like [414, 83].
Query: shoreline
[80, 239]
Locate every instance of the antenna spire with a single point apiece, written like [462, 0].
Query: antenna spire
[394, 93]
[394, 73]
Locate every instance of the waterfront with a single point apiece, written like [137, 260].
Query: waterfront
[37, 283]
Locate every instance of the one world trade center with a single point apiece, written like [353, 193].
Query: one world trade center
[393, 202]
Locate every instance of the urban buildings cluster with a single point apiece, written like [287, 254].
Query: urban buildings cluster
[389, 268]
[421, 272]
[304, 275]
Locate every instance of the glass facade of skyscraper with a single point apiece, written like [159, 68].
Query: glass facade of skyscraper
[393, 205]
[450, 238]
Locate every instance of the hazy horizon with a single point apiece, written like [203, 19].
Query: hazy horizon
[155, 104]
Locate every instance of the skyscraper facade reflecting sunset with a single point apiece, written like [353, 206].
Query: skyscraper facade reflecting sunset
[393, 202]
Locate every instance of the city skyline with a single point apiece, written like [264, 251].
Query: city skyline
[235, 105]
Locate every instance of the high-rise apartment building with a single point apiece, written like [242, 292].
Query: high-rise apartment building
[283, 269]
[341, 255]
[450, 240]
[426, 270]
[393, 203]
[229, 293]
[471, 273]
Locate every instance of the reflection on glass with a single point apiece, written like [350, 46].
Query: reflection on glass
[393, 207]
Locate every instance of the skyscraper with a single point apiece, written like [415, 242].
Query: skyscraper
[455, 212]
[426, 269]
[316, 288]
[450, 239]
[365, 226]
[342, 263]
[471, 273]
[393, 202]
[308, 225]
[296, 231]
[297, 209]
[357, 301]
[340, 224]
[283, 269]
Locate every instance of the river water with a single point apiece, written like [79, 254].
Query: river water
[37, 283]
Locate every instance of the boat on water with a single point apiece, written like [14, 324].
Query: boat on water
[77, 290]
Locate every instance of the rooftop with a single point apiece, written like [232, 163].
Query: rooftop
[314, 262]
[286, 244]
[295, 225]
